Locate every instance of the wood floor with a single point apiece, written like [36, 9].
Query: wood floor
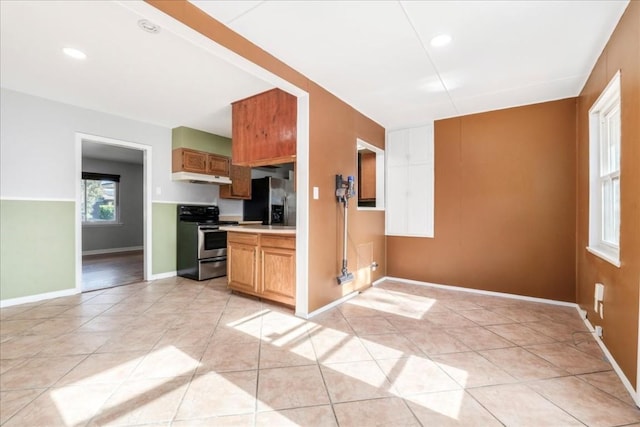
[109, 270]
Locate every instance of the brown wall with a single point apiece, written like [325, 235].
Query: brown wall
[620, 323]
[334, 127]
[504, 205]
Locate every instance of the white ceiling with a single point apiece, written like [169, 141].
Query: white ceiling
[113, 153]
[375, 55]
[161, 78]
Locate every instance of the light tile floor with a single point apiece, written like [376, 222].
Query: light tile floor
[183, 353]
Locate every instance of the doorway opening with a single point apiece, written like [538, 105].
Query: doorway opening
[113, 212]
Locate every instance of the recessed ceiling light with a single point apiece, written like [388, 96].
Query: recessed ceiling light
[74, 53]
[148, 26]
[440, 40]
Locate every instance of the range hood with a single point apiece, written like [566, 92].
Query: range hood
[199, 178]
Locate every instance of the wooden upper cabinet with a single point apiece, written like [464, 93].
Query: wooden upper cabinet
[367, 175]
[240, 187]
[264, 129]
[217, 165]
[187, 160]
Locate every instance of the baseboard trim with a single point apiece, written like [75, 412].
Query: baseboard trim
[163, 275]
[625, 381]
[616, 367]
[480, 291]
[328, 306]
[380, 280]
[38, 297]
[112, 250]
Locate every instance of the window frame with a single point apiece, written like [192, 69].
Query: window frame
[91, 176]
[604, 210]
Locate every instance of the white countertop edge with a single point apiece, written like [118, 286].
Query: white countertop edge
[266, 229]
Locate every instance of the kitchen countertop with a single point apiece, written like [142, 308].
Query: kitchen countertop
[259, 228]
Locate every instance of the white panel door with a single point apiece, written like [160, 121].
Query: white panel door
[397, 200]
[421, 145]
[397, 147]
[410, 182]
[419, 201]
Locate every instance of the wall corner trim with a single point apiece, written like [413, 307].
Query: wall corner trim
[328, 306]
[38, 297]
[627, 384]
[379, 281]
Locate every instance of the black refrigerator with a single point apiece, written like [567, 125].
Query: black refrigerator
[273, 201]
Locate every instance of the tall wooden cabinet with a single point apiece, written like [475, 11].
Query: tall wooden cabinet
[264, 130]
[262, 265]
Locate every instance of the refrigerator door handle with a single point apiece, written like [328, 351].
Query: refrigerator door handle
[286, 211]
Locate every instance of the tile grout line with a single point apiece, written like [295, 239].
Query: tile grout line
[195, 371]
[324, 381]
[142, 359]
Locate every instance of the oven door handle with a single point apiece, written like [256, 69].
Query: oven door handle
[215, 259]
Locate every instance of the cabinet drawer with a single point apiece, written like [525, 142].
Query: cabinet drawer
[278, 242]
[246, 238]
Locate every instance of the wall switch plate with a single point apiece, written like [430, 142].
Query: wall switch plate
[598, 295]
[158, 191]
[316, 193]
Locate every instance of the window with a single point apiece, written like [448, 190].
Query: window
[604, 174]
[99, 198]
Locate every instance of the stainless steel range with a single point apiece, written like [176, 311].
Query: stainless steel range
[201, 245]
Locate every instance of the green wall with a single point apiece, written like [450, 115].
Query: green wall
[183, 137]
[163, 232]
[37, 247]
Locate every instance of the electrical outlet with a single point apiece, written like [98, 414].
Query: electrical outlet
[599, 331]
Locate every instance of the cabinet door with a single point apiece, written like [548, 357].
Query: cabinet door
[241, 267]
[240, 187]
[194, 161]
[217, 165]
[367, 174]
[397, 200]
[277, 274]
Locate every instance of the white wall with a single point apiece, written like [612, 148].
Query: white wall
[37, 151]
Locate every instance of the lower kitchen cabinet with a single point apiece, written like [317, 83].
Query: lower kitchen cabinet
[263, 265]
[241, 264]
